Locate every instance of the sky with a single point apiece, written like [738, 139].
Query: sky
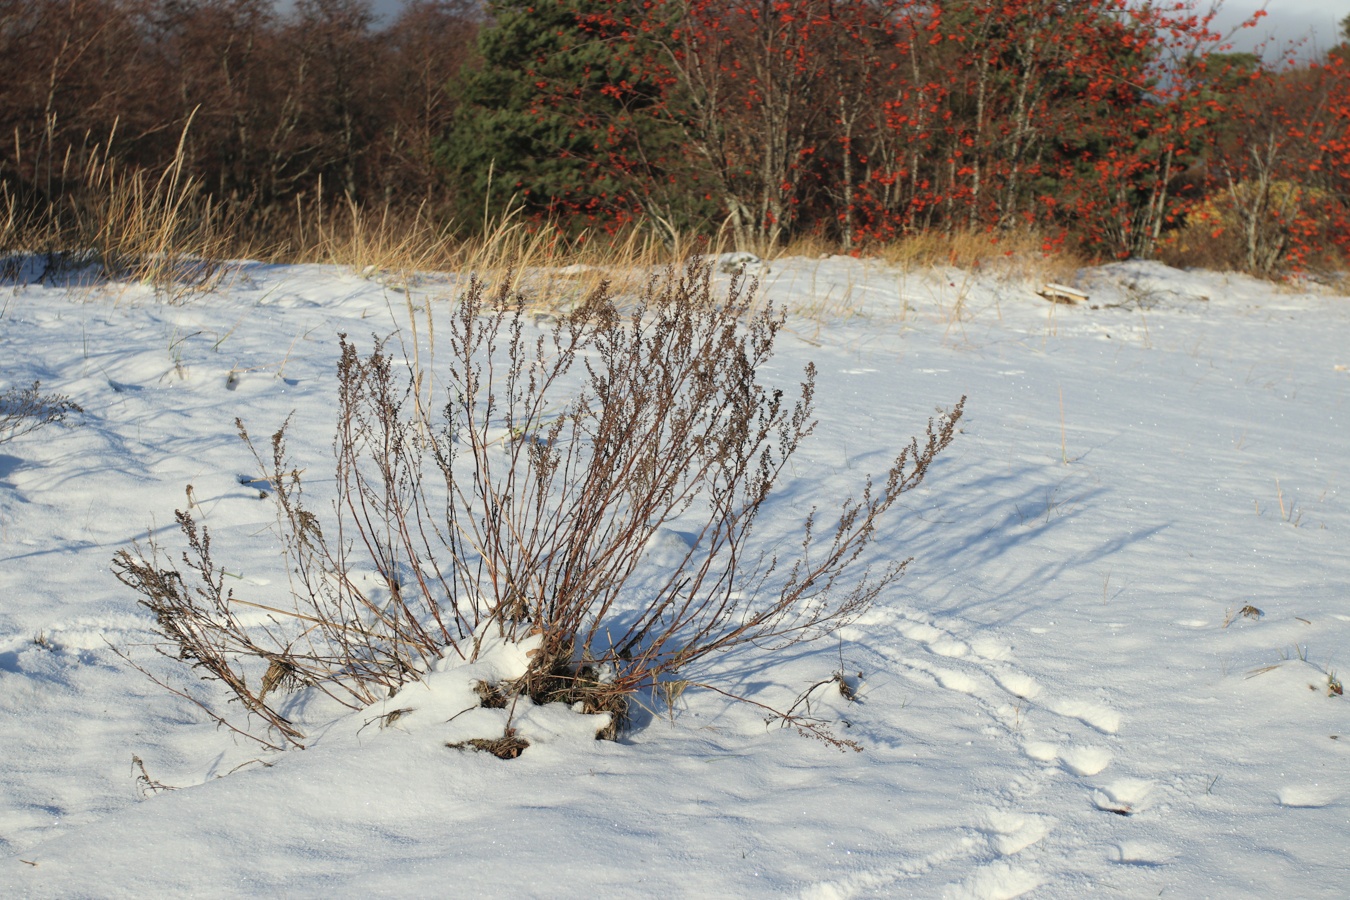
[1314, 24]
[1286, 20]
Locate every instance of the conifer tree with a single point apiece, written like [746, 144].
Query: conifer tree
[560, 122]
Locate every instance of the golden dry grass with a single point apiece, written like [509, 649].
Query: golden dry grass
[545, 265]
[1015, 255]
[165, 230]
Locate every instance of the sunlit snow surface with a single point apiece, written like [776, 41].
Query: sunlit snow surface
[1061, 698]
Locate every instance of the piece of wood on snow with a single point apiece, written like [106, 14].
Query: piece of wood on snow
[1060, 293]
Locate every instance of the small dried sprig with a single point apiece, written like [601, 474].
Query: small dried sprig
[23, 410]
[200, 624]
[1246, 612]
[147, 785]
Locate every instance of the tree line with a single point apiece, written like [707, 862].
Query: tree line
[1118, 128]
[282, 108]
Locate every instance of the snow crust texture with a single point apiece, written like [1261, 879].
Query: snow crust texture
[1108, 672]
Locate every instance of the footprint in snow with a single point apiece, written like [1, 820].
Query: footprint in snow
[1080, 760]
[956, 681]
[990, 648]
[1085, 760]
[1102, 718]
[1041, 751]
[922, 632]
[1018, 684]
[1141, 853]
[944, 643]
[998, 881]
[1012, 832]
[1306, 796]
[1124, 797]
[948, 646]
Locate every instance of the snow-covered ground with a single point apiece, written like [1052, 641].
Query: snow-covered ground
[1106, 673]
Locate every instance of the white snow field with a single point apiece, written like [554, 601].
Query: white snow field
[1108, 672]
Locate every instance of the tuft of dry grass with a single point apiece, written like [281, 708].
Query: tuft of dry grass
[386, 240]
[509, 746]
[549, 270]
[1014, 255]
[810, 246]
[163, 230]
[533, 261]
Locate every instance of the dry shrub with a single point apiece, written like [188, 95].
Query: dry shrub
[1265, 227]
[1201, 245]
[527, 505]
[27, 409]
